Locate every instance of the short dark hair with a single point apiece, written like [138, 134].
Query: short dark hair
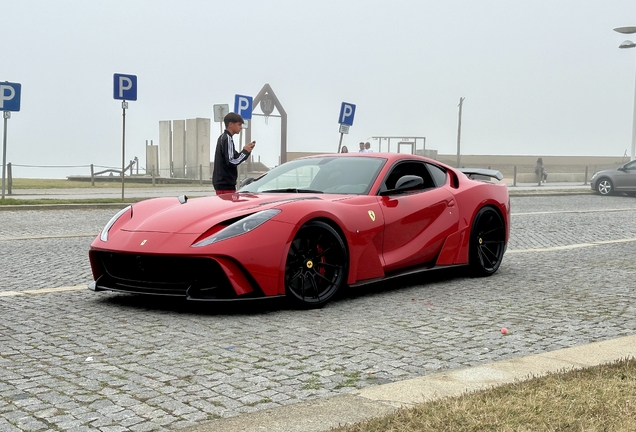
[232, 118]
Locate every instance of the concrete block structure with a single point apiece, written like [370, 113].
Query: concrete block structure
[192, 157]
[152, 159]
[184, 148]
[178, 148]
[203, 149]
[165, 149]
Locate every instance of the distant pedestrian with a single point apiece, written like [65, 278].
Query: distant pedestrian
[362, 149]
[367, 147]
[344, 149]
[226, 158]
[539, 170]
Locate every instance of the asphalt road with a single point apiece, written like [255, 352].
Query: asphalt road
[75, 360]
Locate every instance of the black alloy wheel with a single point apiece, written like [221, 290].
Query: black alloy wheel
[487, 242]
[604, 186]
[316, 265]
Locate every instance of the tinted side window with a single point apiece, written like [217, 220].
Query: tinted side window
[439, 175]
[408, 168]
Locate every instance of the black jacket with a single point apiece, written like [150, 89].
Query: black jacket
[226, 160]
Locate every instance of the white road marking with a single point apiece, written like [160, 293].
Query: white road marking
[575, 211]
[509, 251]
[59, 289]
[574, 246]
[9, 293]
[42, 291]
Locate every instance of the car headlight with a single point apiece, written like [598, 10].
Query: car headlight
[239, 227]
[594, 176]
[104, 235]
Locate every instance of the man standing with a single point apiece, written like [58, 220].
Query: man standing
[226, 158]
[367, 147]
[362, 149]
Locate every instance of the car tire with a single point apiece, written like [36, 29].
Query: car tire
[487, 242]
[604, 186]
[316, 265]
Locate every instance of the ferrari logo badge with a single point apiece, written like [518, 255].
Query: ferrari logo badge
[143, 242]
[310, 264]
[372, 215]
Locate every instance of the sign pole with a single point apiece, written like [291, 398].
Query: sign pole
[6, 115]
[124, 89]
[123, 146]
[459, 130]
[340, 143]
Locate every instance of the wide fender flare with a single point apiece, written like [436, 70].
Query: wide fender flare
[358, 234]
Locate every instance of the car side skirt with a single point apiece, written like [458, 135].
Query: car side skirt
[402, 273]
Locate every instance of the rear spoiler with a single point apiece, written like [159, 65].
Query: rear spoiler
[481, 173]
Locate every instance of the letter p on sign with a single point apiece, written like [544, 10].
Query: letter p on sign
[347, 112]
[125, 87]
[10, 96]
[243, 106]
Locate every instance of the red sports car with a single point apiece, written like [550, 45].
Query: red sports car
[306, 229]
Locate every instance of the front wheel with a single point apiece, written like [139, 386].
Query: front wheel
[316, 265]
[487, 242]
[604, 186]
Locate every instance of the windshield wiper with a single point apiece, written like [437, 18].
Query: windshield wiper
[292, 190]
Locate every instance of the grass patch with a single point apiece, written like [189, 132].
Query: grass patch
[351, 380]
[28, 183]
[600, 398]
[313, 383]
[13, 201]
[262, 401]
[51, 184]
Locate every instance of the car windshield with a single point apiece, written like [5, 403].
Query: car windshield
[330, 174]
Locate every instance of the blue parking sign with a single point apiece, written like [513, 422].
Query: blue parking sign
[10, 96]
[347, 111]
[125, 87]
[243, 106]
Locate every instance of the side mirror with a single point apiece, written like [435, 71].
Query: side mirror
[408, 182]
[246, 181]
[405, 183]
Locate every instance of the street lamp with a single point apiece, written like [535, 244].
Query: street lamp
[624, 45]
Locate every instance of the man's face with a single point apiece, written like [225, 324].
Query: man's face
[234, 127]
[361, 146]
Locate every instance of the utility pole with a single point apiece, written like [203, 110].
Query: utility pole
[459, 130]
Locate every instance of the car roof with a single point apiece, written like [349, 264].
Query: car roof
[390, 157]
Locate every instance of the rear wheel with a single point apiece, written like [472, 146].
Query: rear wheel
[604, 186]
[316, 265]
[487, 242]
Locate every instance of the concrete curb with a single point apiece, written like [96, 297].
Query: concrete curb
[323, 414]
[549, 192]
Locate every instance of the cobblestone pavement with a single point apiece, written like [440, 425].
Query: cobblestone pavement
[79, 360]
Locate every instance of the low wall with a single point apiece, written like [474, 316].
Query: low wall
[552, 177]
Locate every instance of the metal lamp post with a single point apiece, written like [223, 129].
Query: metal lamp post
[625, 45]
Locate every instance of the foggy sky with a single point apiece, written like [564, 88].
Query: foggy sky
[539, 78]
